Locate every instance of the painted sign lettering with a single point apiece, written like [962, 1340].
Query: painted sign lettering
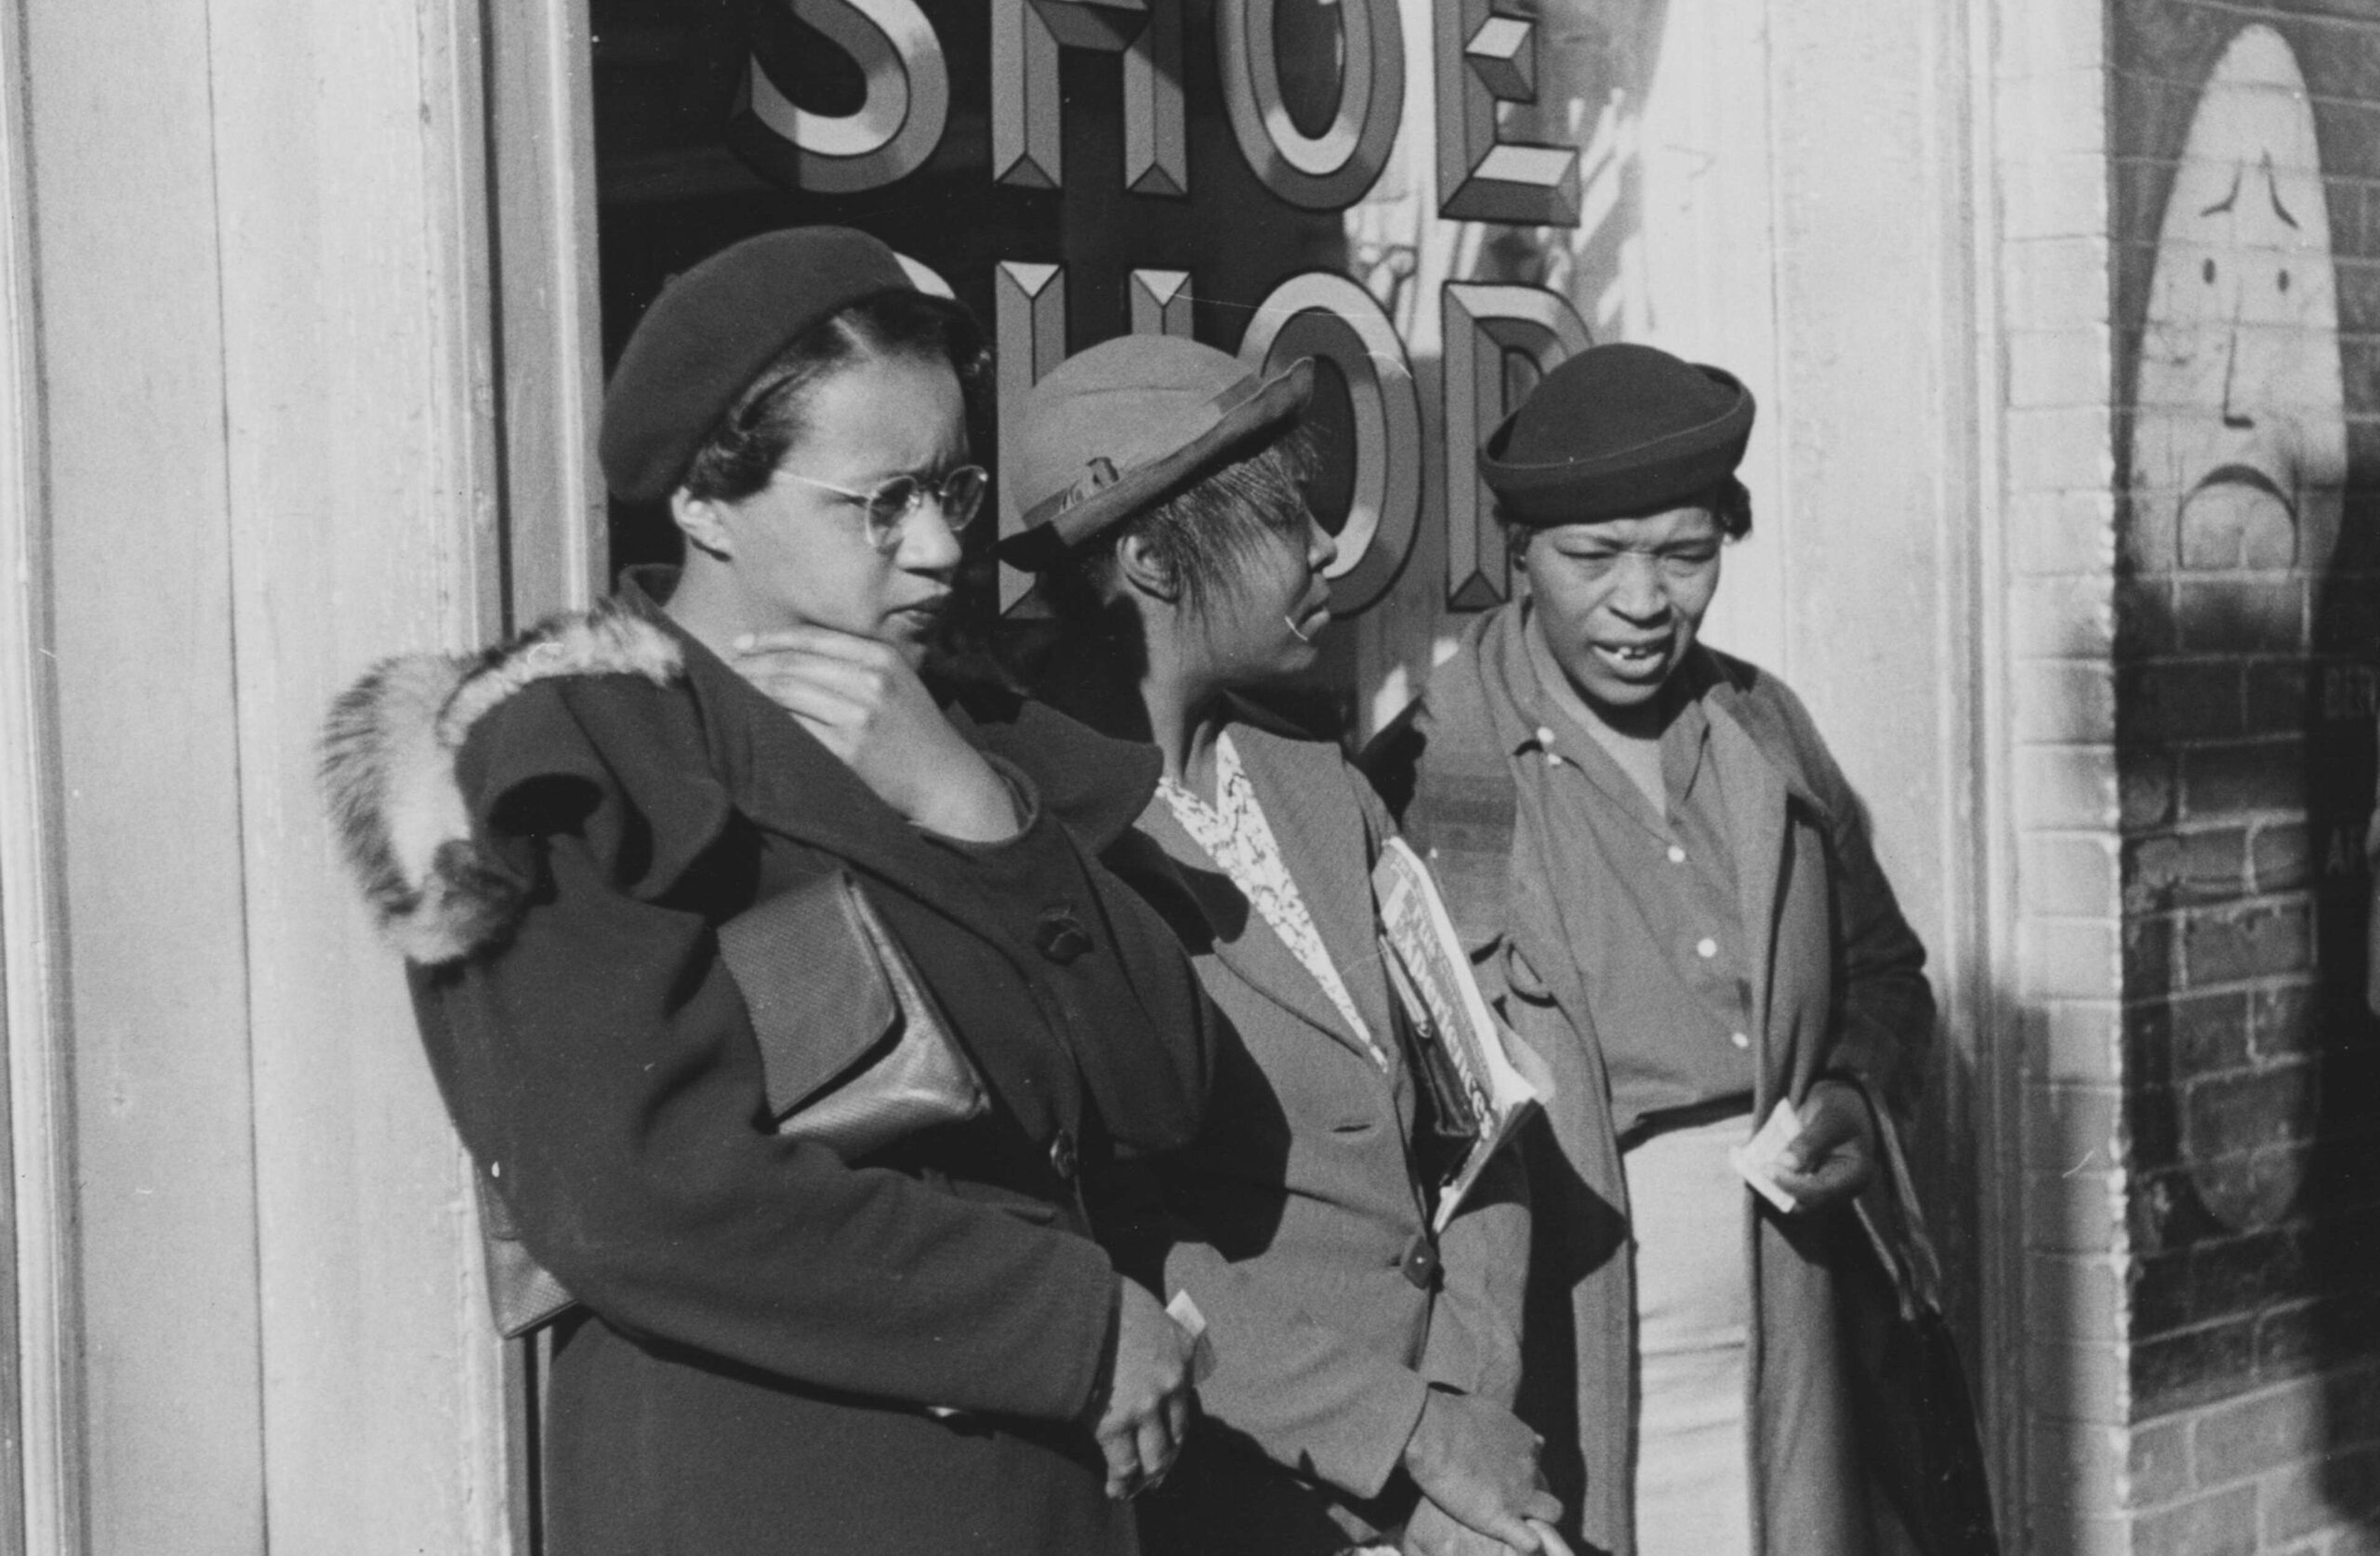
[1313, 97]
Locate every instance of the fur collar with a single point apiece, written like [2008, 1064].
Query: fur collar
[388, 772]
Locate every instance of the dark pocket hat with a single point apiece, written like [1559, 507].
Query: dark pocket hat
[1616, 430]
[712, 330]
[1126, 424]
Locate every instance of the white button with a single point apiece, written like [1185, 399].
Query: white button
[1740, 1040]
[1552, 760]
[1677, 854]
[1545, 734]
[1706, 948]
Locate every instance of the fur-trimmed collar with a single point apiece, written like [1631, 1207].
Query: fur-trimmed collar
[387, 770]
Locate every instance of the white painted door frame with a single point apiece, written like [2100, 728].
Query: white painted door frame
[41, 1480]
[540, 92]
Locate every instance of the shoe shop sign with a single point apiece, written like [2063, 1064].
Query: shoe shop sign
[1251, 172]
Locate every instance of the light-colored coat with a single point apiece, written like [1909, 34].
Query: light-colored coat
[1296, 1211]
[1839, 991]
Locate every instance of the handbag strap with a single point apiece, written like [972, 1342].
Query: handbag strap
[1909, 1261]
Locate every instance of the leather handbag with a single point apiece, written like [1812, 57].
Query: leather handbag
[1917, 1421]
[523, 1295]
[854, 1056]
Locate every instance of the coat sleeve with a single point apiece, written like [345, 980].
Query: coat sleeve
[602, 1067]
[1305, 1393]
[1474, 1341]
[1295, 1385]
[1883, 1024]
[1291, 1383]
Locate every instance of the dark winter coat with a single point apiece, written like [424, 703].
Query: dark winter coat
[781, 1351]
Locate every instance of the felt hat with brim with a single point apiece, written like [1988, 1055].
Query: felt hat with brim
[712, 330]
[1617, 430]
[1126, 424]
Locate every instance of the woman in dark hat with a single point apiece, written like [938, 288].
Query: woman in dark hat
[793, 1043]
[1660, 866]
[1365, 1365]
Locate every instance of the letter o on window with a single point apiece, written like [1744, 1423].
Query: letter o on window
[1325, 315]
[1326, 172]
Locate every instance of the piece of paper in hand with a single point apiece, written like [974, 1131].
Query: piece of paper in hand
[1185, 1312]
[1548, 1542]
[1757, 1158]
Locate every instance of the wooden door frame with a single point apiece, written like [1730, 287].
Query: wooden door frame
[41, 1480]
[549, 374]
[549, 370]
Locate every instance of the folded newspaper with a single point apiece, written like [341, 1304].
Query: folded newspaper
[1501, 1080]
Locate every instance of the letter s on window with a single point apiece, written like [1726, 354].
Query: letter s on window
[897, 125]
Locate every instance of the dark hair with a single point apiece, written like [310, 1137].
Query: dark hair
[1729, 502]
[1202, 536]
[742, 453]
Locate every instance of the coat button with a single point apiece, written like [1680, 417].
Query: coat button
[1060, 936]
[1420, 1261]
[1063, 1159]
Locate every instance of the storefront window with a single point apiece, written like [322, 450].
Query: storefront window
[691, 109]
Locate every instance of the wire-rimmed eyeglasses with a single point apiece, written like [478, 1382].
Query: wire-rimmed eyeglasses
[891, 504]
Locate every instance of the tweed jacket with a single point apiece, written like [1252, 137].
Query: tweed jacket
[1839, 991]
[775, 1338]
[1297, 1223]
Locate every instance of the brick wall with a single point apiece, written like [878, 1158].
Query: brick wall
[2247, 622]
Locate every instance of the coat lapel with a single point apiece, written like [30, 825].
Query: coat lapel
[784, 781]
[797, 787]
[1321, 838]
[1244, 940]
[1755, 794]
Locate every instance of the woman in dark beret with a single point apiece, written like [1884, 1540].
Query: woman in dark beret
[1367, 1364]
[788, 1011]
[1672, 891]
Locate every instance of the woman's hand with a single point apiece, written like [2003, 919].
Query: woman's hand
[866, 705]
[1146, 1410]
[1433, 1531]
[1477, 1463]
[1834, 1156]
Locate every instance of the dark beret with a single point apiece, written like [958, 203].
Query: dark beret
[1615, 431]
[709, 332]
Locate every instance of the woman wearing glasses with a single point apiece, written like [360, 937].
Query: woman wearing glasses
[613, 853]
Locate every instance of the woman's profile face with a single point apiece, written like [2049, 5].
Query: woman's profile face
[801, 553]
[1264, 624]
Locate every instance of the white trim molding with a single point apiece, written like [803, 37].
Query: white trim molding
[43, 1478]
